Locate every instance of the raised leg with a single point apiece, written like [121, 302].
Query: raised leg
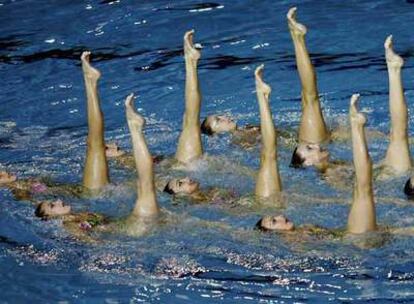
[312, 127]
[361, 217]
[268, 182]
[95, 173]
[398, 154]
[189, 143]
[146, 204]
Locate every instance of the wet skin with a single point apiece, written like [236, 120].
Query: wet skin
[268, 182]
[189, 143]
[312, 127]
[95, 174]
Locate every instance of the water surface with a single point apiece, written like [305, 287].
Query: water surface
[138, 48]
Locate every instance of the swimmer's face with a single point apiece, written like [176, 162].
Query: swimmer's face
[276, 223]
[112, 150]
[6, 177]
[52, 209]
[183, 186]
[220, 124]
[312, 154]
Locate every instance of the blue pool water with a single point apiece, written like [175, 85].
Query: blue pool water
[137, 45]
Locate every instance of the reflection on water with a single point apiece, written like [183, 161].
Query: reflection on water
[202, 253]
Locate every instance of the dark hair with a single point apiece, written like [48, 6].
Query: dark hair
[297, 160]
[259, 226]
[168, 189]
[158, 158]
[252, 127]
[409, 189]
[39, 212]
[206, 128]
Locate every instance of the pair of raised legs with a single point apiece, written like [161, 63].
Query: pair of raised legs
[96, 167]
[313, 129]
[362, 218]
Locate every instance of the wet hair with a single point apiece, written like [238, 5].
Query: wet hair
[40, 212]
[297, 160]
[168, 189]
[409, 189]
[206, 128]
[259, 226]
[158, 158]
[252, 127]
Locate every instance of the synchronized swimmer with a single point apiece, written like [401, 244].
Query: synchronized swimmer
[313, 134]
[362, 215]
[146, 209]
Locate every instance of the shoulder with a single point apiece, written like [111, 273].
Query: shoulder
[249, 130]
[86, 220]
[247, 137]
[320, 232]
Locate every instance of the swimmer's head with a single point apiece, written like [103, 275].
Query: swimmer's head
[306, 155]
[6, 178]
[49, 209]
[275, 223]
[113, 150]
[214, 124]
[181, 186]
[409, 189]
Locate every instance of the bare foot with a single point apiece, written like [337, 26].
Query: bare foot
[132, 115]
[6, 178]
[89, 70]
[354, 113]
[393, 60]
[189, 49]
[294, 26]
[260, 84]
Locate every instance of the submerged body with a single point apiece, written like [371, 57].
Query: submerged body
[280, 224]
[190, 190]
[82, 226]
[146, 209]
[31, 188]
[362, 217]
[310, 234]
